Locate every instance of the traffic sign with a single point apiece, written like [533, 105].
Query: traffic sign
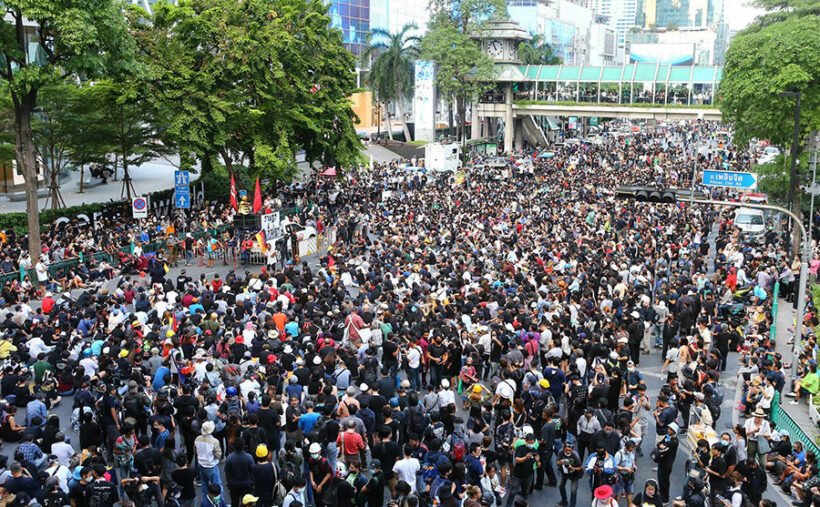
[182, 189]
[182, 201]
[139, 207]
[730, 179]
[182, 178]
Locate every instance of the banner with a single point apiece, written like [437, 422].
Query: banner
[424, 102]
[271, 224]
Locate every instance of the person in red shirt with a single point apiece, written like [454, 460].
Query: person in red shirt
[349, 444]
[47, 304]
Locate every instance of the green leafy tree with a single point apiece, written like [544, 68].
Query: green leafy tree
[54, 130]
[251, 82]
[127, 123]
[537, 52]
[70, 39]
[463, 71]
[779, 52]
[392, 68]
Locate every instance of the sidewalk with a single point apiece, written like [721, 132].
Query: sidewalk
[784, 324]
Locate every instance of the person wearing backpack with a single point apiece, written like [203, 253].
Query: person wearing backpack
[457, 442]
[734, 496]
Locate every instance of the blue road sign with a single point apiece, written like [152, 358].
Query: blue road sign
[182, 201]
[182, 189]
[730, 179]
[182, 178]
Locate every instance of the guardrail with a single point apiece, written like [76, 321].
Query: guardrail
[152, 246]
[775, 304]
[70, 263]
[783, 420]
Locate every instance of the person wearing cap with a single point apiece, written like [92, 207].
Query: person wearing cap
[208, 454]
[758, 433]
[666, 450]
[321, 475]
[525, 460]
[603, 497]
[571, 469]
[600, 466]
[264, 475]
[665, 414]
[61, 472]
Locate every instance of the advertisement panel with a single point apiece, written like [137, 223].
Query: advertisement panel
[424, 101]
[665, 54]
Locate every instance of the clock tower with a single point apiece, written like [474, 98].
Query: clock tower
[500, 39]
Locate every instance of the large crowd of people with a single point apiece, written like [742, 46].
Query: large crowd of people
[474, 343]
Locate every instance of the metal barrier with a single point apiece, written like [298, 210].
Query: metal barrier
[775, 297]
[783, 420]
[73, 262]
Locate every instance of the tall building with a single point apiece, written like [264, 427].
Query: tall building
[393, 15]
[620, 15]
[571, 27]
[679, 13]
[352, 17]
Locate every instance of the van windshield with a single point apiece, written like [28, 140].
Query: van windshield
[749, 220]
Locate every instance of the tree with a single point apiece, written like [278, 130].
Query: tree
[393, 66]
[70, 39]
[537, 52]
[463, 71]
[251, 82]
[54, 129]
[379, 81]
[128, 124]
[762, 61]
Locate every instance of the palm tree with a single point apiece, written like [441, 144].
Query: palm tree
[391, 73]
[537, 52]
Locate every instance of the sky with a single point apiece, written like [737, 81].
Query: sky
[739, 14]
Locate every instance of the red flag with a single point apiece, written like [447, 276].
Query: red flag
[257, 197]
[233, 194]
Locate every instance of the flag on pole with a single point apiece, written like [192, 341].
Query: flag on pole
[257, 197]
[262, 240]
[233, 194]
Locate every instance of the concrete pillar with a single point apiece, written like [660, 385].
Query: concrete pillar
[508, 118]
[519, 134]
[475, 123]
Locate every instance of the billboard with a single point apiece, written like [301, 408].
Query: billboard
[424, 101]
[665, 54]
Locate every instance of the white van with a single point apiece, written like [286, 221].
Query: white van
[752, 222]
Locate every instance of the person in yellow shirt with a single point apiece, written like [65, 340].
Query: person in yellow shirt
[6, 348]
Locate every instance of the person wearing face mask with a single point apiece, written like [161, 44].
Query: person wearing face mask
[296, 493]
[320, 475]
[607, 438]
[571, 469]
[649, 496]
[214, 497]
[601, 468]
[666, 450]
[525, 461]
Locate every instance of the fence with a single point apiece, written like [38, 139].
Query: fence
[782, 420]
[55, 267]
[775, 297]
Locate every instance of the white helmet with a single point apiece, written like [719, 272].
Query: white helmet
[315, 448]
